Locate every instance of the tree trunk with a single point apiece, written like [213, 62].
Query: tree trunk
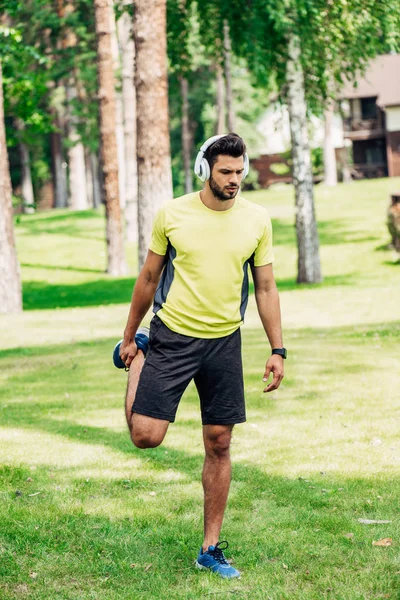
[129, 104]
[116, 264]
[76, 156]
[153, 147]
[89, 178]
[186, 136]
[59, 171]
[10, 283]
[95, 167]
[26, 174]
[76, 153]
[220, 129]
[309, 269]
[119, 109]
[228, 77]
[330, 171]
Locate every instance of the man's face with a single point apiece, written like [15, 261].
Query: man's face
[226, 176]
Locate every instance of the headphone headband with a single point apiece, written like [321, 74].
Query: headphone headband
[201, 165]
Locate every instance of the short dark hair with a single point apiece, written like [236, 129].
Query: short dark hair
[229, 145]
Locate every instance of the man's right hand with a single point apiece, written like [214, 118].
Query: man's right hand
[128, 352]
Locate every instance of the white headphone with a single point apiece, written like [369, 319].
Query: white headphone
[201, 166]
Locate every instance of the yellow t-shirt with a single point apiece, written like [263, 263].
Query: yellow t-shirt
[203, 289]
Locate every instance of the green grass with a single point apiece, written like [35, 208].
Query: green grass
[113, 522]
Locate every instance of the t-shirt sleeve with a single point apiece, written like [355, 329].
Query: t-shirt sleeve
[264, 254]
[159, 241]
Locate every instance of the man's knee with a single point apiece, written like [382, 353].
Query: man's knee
[147, 432]
[145, 440]
[217, 442]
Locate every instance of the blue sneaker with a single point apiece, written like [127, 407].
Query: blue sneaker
[141, 341]
[214, 560]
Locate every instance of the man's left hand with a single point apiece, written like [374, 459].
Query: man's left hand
[275, 366]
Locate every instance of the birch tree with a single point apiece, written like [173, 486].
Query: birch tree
[119, 108]
[116, 264]
[302, 47]
[125, 36]
[153, 144]
[308, 263]
[76, 153]
[10, 283]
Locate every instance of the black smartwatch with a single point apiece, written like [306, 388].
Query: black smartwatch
[281, 351]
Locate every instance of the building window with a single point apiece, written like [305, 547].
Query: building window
[369, 108]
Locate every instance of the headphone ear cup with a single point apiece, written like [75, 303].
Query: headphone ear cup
[201, 167]
[205, 170]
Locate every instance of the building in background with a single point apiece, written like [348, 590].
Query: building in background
[365, 129]
[371, 119]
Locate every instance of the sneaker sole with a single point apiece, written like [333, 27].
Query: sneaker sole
[116, 357]
[203, 568]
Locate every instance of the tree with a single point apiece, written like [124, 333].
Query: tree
[186, 135]
[300, 47]
[115, 246]
[220, 105]
[308, 264]
[10, 284]
[153, 144]
[181, 62]
[119, 107]
[26, 174]
[228, 76]
[125, 35]
[330, 169]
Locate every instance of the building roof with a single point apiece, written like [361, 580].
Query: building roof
[381, 79]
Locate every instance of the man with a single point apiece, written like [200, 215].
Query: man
[201, 247]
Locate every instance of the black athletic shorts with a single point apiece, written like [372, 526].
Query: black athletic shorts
[174, 360]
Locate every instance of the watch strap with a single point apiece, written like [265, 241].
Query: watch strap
[280, 351]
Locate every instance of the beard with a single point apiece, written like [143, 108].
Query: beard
[222, 193]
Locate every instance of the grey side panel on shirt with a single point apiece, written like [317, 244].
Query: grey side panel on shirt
[245, 286]
[166, 280]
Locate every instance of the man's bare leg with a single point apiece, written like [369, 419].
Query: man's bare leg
[146, 432]
[216, 479]
[133, 379]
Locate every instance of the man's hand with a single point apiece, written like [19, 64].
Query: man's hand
[127, 353]
[275, 366]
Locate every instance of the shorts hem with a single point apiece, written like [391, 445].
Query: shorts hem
[149, 413]
[224, 421]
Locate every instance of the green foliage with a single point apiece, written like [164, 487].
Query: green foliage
[337, 38]
[317, 161]
[37, 66]
[251, 181]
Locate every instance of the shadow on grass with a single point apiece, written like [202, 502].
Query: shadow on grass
[330, 233]
[95, 548]
[60, 268]
[40, 295]
[44, 295]
[289, 284]
[85, 225]
[66, 522]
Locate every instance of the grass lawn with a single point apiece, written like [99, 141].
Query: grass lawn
[85, 515]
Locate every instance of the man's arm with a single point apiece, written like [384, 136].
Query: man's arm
[267, 299]
[142, 298]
